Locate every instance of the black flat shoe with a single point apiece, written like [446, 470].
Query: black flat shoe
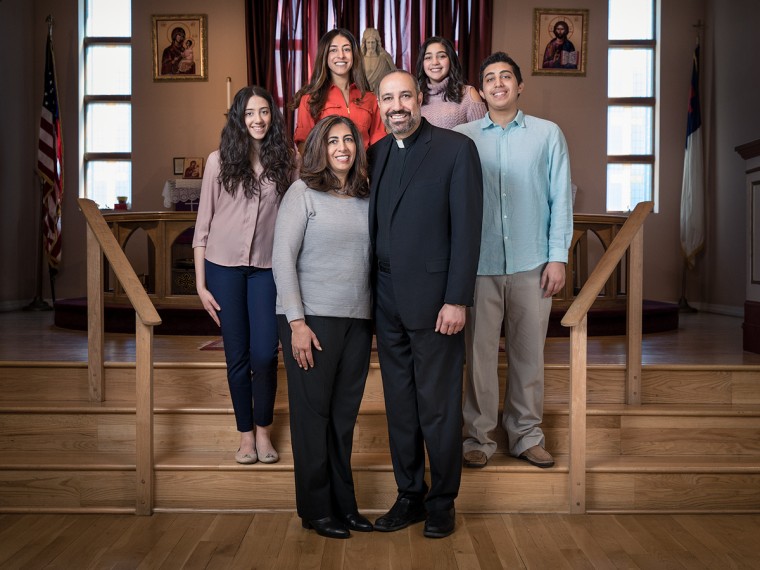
[357, 522]
[328, 527]
[440, 524]
[403, 513]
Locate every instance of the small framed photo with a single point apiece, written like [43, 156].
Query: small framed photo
[559, 41]
[179, 48]
[179, 166]
[192, 168]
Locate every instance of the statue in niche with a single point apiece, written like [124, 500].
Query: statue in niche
[377, 62]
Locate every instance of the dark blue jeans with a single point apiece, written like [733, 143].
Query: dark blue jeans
[247, 296]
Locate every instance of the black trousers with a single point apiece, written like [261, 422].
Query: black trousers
[324, 402]
[422, 382]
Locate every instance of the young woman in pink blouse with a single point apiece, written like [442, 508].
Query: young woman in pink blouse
[338, 86]
[447, 100]
[242, 186]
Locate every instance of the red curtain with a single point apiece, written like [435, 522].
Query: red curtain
[260, 18]
[475, 33]
[403, 24]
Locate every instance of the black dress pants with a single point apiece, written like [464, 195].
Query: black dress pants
[422, 383]
[324, 403]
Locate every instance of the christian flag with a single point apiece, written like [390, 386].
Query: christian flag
[50, 162]
[693, 188]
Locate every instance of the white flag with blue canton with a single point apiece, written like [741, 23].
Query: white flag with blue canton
[693, 188]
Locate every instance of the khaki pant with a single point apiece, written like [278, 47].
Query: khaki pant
[516, 300]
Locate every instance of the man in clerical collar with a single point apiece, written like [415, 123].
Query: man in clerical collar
[425, 214]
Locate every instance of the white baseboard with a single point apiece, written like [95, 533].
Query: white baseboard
[728, 310]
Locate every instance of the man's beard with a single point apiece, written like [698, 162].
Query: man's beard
[402, 128]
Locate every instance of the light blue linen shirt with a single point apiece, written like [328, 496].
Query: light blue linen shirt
[527, 198]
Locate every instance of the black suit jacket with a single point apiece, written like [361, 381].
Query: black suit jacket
[435, 223]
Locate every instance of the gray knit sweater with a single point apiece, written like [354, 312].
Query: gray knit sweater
[321, 255]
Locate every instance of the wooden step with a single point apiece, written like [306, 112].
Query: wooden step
[680, 464]
[66, 460]
[191, 383]
[661, 430]
[657, 430]
[213, 481]
[96, 489]
[729, 484]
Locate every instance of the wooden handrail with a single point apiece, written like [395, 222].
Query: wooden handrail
[630, 237]
[101, 241]
[146, 312]
[606, 265]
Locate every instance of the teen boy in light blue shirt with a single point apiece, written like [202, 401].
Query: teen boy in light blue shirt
[526, 233]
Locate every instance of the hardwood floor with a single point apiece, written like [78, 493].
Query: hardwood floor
[276, 540]
[702, 338]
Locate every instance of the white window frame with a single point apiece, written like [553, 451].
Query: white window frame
[85, 100]
[652, 102]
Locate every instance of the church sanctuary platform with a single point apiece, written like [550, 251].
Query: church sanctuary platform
[605, 320]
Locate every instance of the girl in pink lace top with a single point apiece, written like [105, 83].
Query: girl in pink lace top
[447, 101]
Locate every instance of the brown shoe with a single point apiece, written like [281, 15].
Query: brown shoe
[538, 456]
[475, 459]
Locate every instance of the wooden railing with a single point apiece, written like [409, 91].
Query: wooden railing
[631, 235]
[101, 241]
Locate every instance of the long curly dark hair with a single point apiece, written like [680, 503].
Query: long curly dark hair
[237, 149]
[315, 171]
[455, 87]
[320, 82]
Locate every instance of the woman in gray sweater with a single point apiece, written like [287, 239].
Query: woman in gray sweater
[321, 265]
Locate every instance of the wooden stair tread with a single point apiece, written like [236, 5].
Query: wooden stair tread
[224, 460]
[66, 407]
[693, 410]
[67, 460]
[378, 407]
[119, 407]
[673, 464]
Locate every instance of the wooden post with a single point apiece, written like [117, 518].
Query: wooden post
[577, 477]
[634, 308]
[95, 319]
[144, 417]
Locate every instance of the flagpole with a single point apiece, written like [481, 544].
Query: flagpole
[39, 303]
[683, 303]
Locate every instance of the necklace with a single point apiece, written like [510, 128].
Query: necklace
[340, 192]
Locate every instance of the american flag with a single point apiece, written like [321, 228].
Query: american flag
[50, 162]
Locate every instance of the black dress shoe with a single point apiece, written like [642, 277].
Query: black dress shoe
[357, 522]
[403, 513]
[440, 523]
[328, 526]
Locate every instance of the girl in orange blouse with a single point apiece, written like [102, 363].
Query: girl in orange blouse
[338, 86]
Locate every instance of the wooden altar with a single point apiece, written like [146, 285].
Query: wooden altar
[171, 277]
[170, 280]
